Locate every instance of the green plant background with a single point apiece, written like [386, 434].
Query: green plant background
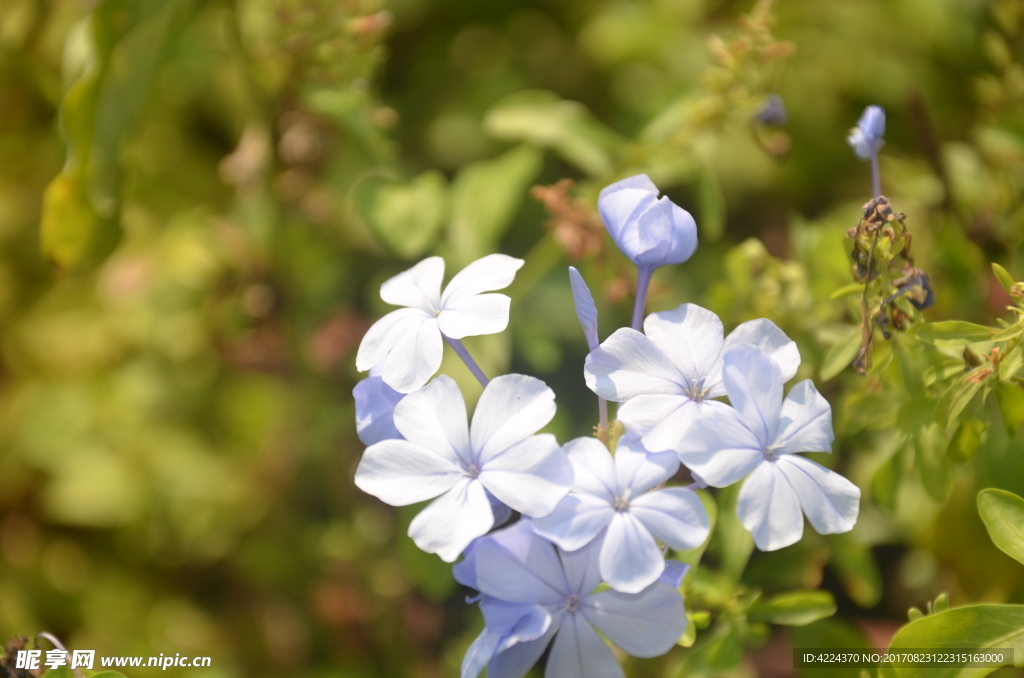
[200, 198]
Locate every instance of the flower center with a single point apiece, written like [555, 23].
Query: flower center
[472, 471]
[622, 501]
[697, 392]
[572, 603]
[771, 452]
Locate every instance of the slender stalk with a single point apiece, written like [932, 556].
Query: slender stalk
[642, 283]
[468, 359]
[602, 408]
[876, 175]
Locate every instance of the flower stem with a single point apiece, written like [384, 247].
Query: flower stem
[468, 359]
[642, 283]
[876, 175]
[602, 408]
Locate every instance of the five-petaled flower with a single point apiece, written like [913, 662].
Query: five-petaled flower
[409, 339]
[759, 437]
[516, 566]
[652, 232]
[442, 456]
[614, 498]
[668, 377]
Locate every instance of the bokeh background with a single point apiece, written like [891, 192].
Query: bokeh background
[200, 198]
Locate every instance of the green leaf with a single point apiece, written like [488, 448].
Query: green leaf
[1004, 277]
[711, 202]
[543, 118]
[1003, 515]
[1012, 362]
[885, 483]
[485, 198]
[406, 217]
[956, 397]
[854, 289]
[965, 441]
[690, 634]
[930, 461]
[733, 542]
[975, 627]
[1011, 405]
[842, 354]
[794, 608]
[857, 568]
[125, 45]
[953, 333]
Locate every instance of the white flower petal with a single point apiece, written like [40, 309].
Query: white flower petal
[384, 334]
[435, 417]
[531, 476]
[630, 558]
[720, 448]
[754, 384]
[473, 316]
[375, 410]
[674, 515]
[628, 364]
[647, 624]
[575, 522]
[578, 652]
[593, 468]
[691, 337]
[400, 473]
[419, 287]
[637, 471]
[512, 408]
[415, 357]
[767, 336]
[805, 423]
[660, 420]
[520, 658]
[493, 272]
[666, 235]
[450, 522]
[830, 501]
[582, 568]
[769, 508]
[518, 566]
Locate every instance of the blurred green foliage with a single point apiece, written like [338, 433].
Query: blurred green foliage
[200, 198]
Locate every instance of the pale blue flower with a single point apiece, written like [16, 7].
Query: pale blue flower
[866, 138]
[463, 466]
[651, 232]
[669, 376]
[759, 437]
[409, 341]
[613, 501]
[375, 408]
[517, 567]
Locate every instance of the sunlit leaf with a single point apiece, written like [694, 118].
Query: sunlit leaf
[407, 217]
[966, 440]
[794, 608]
[857, 568]
[956, 397]
[953, 333]
[971, 628]
[732, 541]
[1003, 276]
[1003, 514]
[854, 289]
[545, 119]
[930, 461]
[1012, 362]
[485, 197]
[1011, 404]
[842, 354]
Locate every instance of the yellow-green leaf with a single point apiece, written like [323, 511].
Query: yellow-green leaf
[965, 441]
[794, 608]
[953, 333]
[1004, 277]
[1003, 515]
[1010, 397]
[842, 354]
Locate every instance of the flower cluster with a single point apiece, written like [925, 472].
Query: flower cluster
[587, 552]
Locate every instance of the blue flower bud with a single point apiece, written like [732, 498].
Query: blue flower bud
[866, 137]
[586, 310]
[651, 232]
[773, 112]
